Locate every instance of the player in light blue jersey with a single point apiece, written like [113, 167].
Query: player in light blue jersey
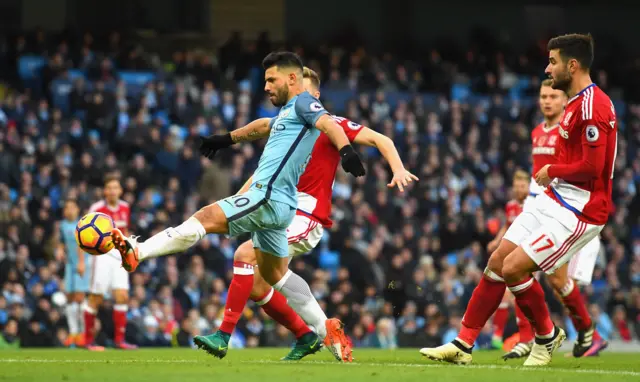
[267, 209]
[76, 276]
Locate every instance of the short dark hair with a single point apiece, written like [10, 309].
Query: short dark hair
[282, 59]
[575, 45]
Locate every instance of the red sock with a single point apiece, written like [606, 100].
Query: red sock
[484, 301]
[524, 326]
[500, 319]
[596, 336]
[237, 296]
[530, 298]
[572, 299]
[275, 305]
[89, 323]
[119, 322]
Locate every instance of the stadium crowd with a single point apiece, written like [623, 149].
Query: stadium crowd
[397, 268]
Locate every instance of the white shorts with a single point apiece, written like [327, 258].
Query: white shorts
[581, 265]
[304, 234]
[550, 234]
[107, 274]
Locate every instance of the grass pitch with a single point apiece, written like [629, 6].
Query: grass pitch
[263, 365]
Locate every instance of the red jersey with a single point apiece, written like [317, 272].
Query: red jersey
[589, 133]
[512, 210]
[121, 214]
[545, 149]
[315, 186]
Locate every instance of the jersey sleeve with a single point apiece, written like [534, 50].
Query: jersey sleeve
[272, 121]
[309, 108]
[351, 129]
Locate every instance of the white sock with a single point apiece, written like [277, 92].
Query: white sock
[172, 240]
[73, 311]
[300, 298]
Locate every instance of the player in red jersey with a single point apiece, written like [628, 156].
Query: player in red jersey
[304, 233]
[546, 150]
[513, 208]
[571, 212]
[107, 274]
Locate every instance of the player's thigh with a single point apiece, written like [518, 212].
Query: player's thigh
[517, 266]
[303, 235]
[273, 259]
[522, 227]
[245, 253]
[583, 263]
[251, 212]
[554, 243]
[213, 218]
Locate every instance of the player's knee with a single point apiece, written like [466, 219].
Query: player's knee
[212, 219]
[512, 271]
[260, 286]
[557, 282]
[495, 262]
[94, 301]
[121, 296]
[245, 254]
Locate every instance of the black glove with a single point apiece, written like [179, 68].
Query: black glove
[209, 145]
[351, 162]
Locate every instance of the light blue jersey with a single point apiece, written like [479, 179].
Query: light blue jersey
[267, 209]
[288, 150]
[73, 281]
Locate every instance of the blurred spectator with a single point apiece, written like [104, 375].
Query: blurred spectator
[396, 268]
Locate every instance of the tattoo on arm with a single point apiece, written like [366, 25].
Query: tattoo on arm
[250, 135]
[255, 130]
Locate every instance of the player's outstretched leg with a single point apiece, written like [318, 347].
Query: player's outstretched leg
[484, 302]
[517, 271]
[526, 337]
[210, 219]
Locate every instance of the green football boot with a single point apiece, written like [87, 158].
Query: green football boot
[215, 344]
[307, 344]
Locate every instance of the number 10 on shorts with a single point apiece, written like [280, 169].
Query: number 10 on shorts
[541, 244]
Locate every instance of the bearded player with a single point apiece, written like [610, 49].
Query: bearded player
[107, 274]
[269, 206]
[304, 233]
[561, 221]
[546, 150]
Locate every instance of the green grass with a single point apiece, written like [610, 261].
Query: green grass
[262, 365]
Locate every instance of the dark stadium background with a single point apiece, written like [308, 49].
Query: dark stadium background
[397, 269]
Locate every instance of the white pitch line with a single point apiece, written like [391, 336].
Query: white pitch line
[485, 367]
[39, 360]
[391, 364]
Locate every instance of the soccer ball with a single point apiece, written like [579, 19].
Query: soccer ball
[93, 233]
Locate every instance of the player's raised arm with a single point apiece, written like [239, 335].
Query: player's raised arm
[401, 177]
[311, 111]
[257, 129]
